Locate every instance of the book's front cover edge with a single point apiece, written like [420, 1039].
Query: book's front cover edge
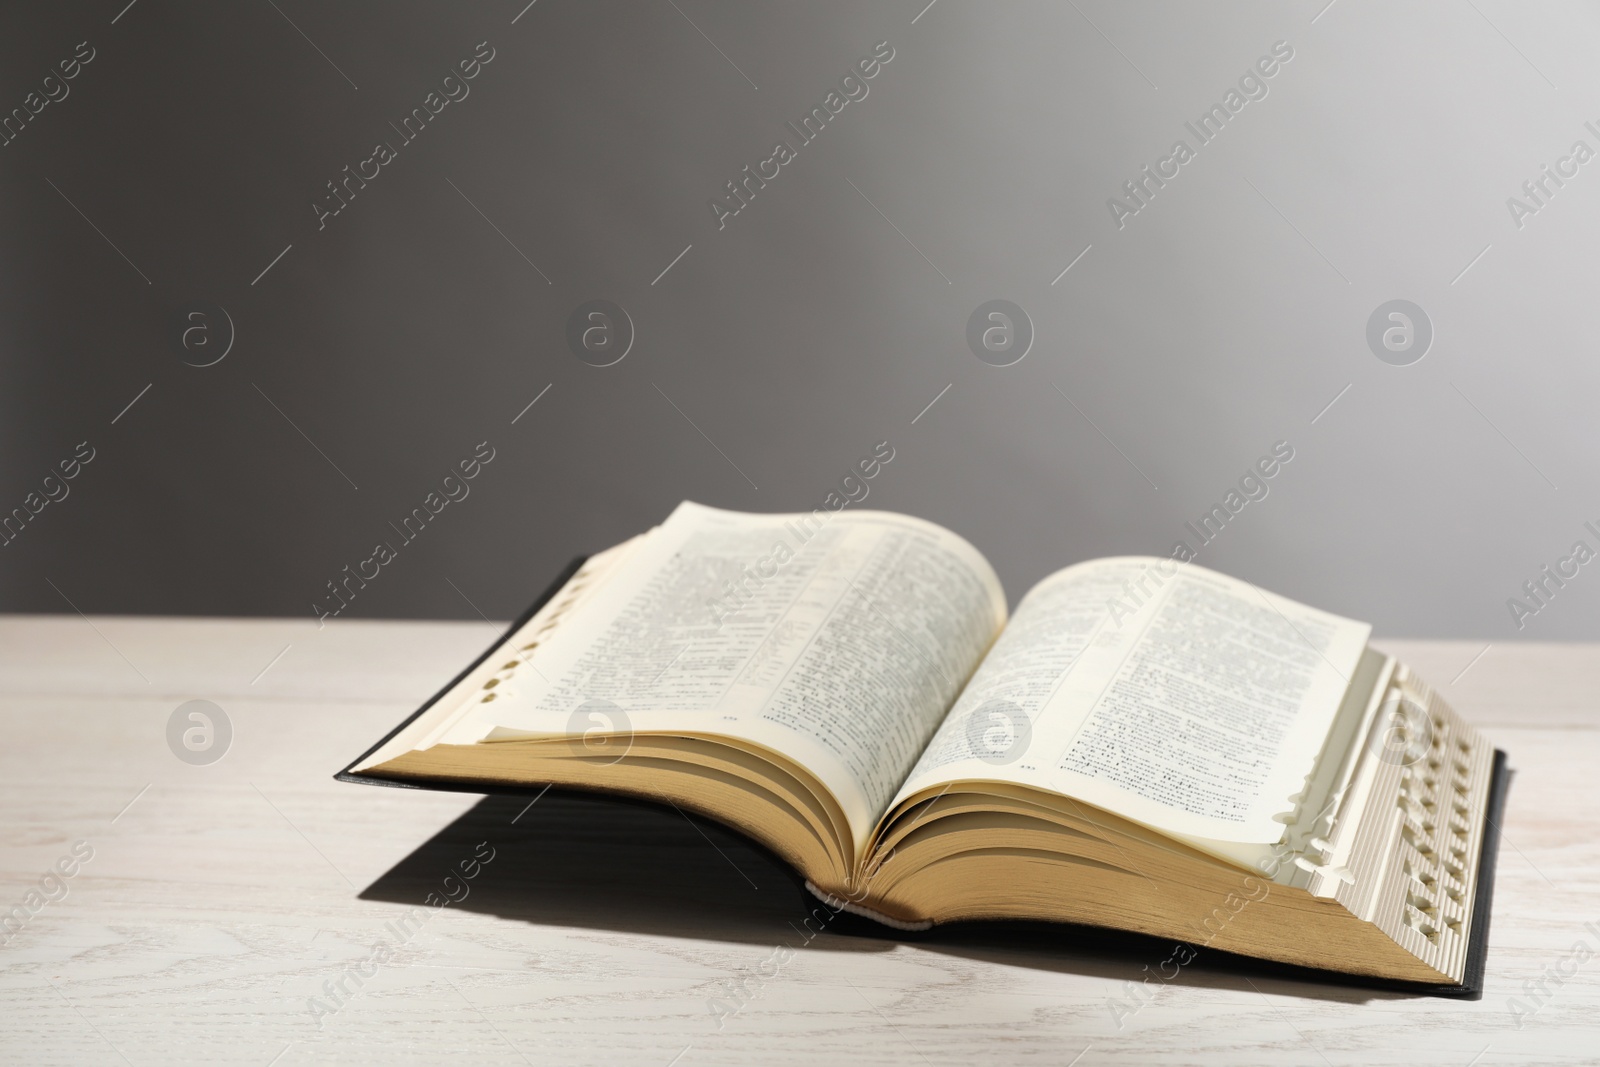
[1471, 987]
[348, 775]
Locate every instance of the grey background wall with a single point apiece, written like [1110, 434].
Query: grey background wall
[374, 349]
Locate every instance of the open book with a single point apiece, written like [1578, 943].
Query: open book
[1146, 745]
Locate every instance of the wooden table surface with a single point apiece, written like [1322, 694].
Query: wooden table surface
[223, 904]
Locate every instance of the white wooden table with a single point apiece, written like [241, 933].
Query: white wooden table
[221, 899]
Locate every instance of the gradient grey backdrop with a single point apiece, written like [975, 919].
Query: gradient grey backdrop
[777, 351]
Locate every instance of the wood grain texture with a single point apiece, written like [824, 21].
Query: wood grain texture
[218, 904]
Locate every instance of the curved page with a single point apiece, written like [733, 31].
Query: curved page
[838, 639]
[1169, 694]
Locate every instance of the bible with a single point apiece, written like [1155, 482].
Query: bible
[1144, 744]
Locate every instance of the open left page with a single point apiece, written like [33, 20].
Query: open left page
[837, 639]
[1166, 693]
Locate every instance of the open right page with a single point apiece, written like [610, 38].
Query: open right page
[1162, 692]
